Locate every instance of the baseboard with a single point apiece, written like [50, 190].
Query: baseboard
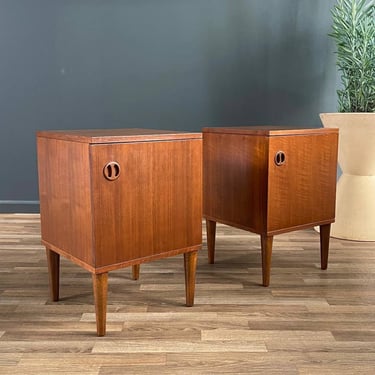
[18, 206]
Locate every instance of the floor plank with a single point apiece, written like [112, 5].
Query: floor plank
[308, 321]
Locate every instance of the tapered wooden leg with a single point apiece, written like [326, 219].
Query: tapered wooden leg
[100, 286]
[53, 261]
[211, 235]
[135, 271]
[266, 244]
[190, 264]
[325, 231]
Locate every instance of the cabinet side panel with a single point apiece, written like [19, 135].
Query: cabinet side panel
[64, 192]
[302, 190]
[235, 179]
[154, 206]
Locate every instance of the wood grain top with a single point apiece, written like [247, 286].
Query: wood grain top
[268, 130]
[124, 135]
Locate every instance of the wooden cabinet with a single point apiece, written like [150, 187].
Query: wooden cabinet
[269, 180]
[116, 198]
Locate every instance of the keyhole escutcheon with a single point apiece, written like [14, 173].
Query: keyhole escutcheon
[112, 170]
[280, 158]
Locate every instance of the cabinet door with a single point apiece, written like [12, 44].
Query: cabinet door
[302, 181]
[153, 207]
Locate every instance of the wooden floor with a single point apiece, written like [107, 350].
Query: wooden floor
[308, 321]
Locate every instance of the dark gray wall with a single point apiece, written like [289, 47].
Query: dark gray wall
[169, 64]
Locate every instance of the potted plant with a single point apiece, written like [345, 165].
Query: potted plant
[353, 31]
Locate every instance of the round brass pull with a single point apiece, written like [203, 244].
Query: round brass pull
[280, 158]
[112, 171]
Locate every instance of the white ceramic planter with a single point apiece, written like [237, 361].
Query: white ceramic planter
[355, 197]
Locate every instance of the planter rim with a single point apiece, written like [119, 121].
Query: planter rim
[346, 113]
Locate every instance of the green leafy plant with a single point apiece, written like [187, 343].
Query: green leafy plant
[353, 30]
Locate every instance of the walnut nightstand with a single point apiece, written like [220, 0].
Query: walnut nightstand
[269, 180]
[116, 198]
